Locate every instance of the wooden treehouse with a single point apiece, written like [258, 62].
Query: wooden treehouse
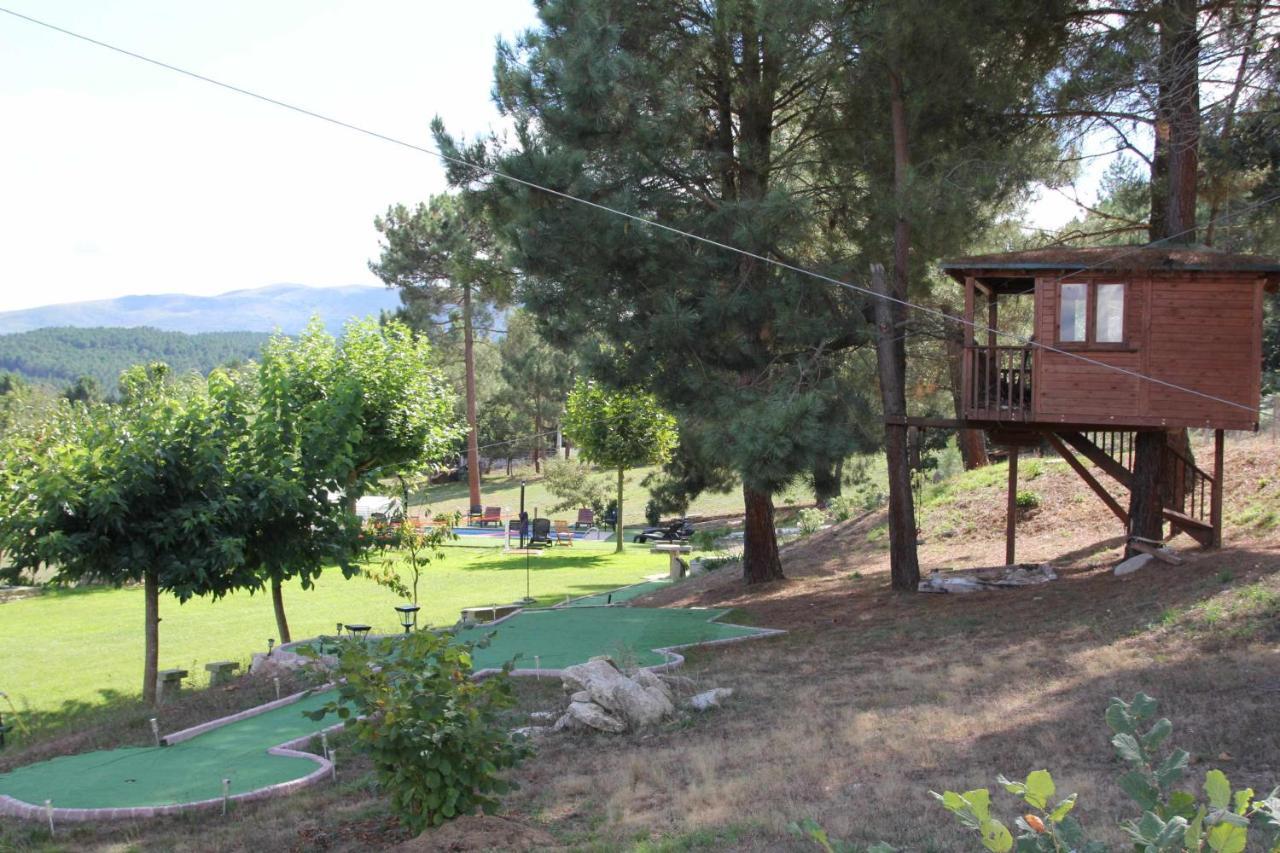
[1097, 345]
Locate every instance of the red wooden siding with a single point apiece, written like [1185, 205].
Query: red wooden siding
[1201, 331]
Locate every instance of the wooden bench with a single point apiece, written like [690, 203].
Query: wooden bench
[169, 683]
[678, 567]
[221, 671]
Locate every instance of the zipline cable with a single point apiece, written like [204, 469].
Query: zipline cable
[642, 220]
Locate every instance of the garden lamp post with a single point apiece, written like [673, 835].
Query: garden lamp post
[408, 616]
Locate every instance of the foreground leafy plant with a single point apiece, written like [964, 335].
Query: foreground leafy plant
[1172, 820]
[435, 735]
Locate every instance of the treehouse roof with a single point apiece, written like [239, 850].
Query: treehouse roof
[1128, 259]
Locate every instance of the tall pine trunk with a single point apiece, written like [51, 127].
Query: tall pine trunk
[277, 604]
[760, 560]
[1174, 185]
[469, 368]
[891, 357]
[151, 661]
[618, 525]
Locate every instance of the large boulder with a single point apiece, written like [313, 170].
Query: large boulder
[613, 691]
[593, 716]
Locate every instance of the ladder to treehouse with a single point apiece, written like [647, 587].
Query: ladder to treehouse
[1192, 496]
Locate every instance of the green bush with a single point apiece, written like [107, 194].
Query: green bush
[577, 485]
[844, 507]
[811, 520]
[435, 735]
[1172, 821]
[1027, 500]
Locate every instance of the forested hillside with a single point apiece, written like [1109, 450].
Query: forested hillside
[61, 356]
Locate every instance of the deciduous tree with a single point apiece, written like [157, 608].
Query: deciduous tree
[619, 429]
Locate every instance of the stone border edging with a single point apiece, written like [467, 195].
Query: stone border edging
[12, 807]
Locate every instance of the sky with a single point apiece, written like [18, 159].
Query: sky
[118, 178]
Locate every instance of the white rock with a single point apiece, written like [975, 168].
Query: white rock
[580, 696]
[651, 681]
[543, 716]
[533, 731]
[592, 715]
[611, 690]
[1131, 565]
[709, 699]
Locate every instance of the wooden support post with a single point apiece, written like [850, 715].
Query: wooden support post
[1011, 521]
[1090, 481]
[1215, 498]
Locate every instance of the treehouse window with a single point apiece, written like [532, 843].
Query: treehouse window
[1072, 321]
[1108, 323]
[1091, 313]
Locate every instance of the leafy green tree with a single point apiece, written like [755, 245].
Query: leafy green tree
[335, 417]
[147, 491]
[442, 254]
[619, 429]
[84, 390]
[538, 378]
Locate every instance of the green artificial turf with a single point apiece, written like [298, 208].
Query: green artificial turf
[67, 650]
[193, 770]
[554, 639]
[186, 772]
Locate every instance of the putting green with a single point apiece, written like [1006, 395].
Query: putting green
[618, 596]
[554, 639]
[186, 772]
[193, 770]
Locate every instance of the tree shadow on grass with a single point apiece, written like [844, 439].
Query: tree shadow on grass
[542, 562]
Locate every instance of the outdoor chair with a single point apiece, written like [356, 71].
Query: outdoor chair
[540, 533]
[513, 529]
[586, 520]
[474, 514]
[492, 515]
[564, 535]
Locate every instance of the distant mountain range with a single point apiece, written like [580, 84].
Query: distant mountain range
[286, 307]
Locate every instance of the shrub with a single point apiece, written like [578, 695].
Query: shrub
[811, 520]
[652, 513]
[1026, 500]
[843, 507]
[436, 736]
[1172, 820]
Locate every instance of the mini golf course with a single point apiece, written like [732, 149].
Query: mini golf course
[253, 751]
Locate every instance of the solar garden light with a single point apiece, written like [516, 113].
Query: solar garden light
[271, 644]
[155, 730]
[408, 616]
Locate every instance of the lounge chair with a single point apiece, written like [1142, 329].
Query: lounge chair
[564, 535]
[586, 520]
[540, 533]
[513, 529]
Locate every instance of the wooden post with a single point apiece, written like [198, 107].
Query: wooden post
[1215, 498]
[1011, 518]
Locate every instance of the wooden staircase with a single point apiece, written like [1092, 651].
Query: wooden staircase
[1193, 501]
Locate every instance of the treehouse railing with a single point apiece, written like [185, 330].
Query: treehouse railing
[1188, 487]
[997, 383]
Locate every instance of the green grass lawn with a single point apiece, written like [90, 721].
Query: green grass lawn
[68, 649]
[497, 489]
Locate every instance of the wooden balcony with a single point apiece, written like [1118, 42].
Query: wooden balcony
[997, 384]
